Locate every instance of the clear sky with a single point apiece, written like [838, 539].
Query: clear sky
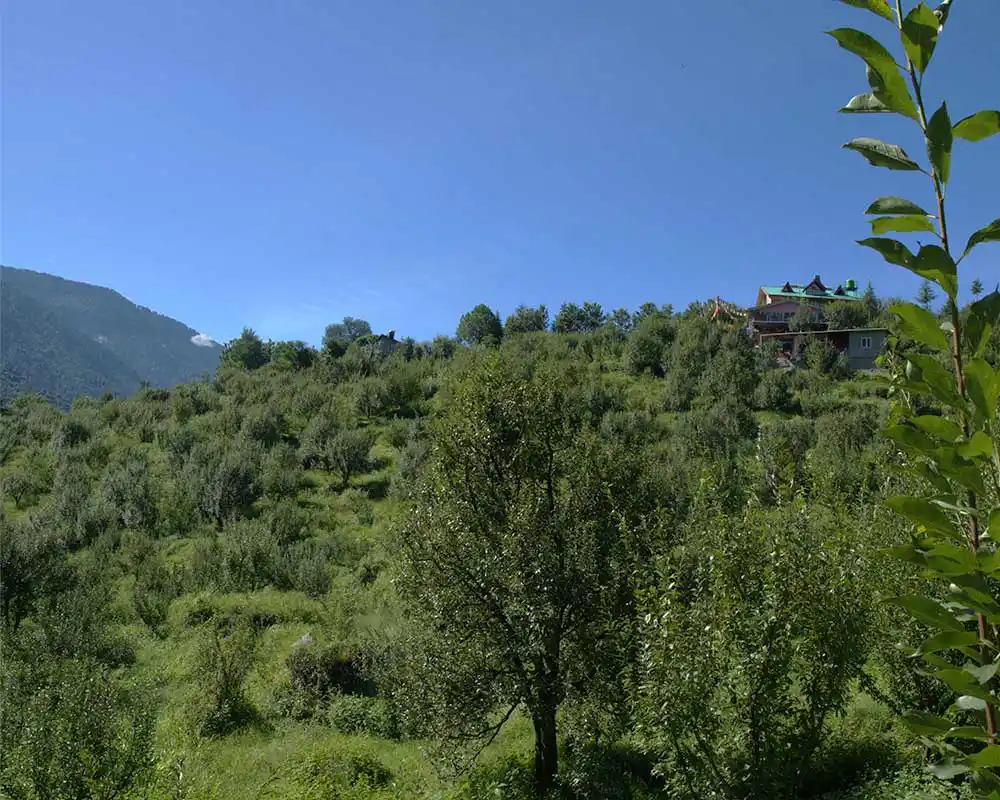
[283, 163]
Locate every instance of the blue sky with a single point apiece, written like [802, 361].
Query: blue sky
[284, 163]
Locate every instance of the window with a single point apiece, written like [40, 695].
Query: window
[866, 342]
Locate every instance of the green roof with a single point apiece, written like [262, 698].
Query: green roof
[799, 291]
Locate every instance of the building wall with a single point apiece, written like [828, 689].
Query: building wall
[861, 357]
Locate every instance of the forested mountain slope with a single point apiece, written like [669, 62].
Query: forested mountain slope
[63, 339]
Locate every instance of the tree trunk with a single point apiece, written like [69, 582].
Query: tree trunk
[546, 745]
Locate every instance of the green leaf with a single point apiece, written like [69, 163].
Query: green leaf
[993, 527]
[929, 612]
[939, 141]
[960, 470]
[866, 103]
[920, 33]
[910, 439]
[948, 769]
[989, 756]
[978, 126]
[881, 154]
[969, 703]
[948, 640]
[894, 205]
[920, 324]
[922, 513]
[991, 233]
[983, 387]
[972, 732]
[938, 380]
[924, 724]
[892, 251]
[933, 263]
[887, 82]
[988, 563]
[907, 224]
[978, 446]
[880, 7]
[982, 673]
[983, 316]
[944, 429]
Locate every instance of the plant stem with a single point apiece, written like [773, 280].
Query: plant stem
[985, 633]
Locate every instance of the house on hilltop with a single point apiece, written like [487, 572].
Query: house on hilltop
[776, 305]
[770, 320]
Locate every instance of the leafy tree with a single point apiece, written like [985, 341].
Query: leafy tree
[648, 345]
[621, 321]
[951, 455]
[976, 288]
[647, 310]
[129, 491]
[752, 641]
[292, 355]
[347, 452]
[247, 351]
[510, 561]
[842, 315]
[574, 319]
[480, 326]
[70, 729]
[926, 294]
[339, 335]
[804, 318]
[527, 320]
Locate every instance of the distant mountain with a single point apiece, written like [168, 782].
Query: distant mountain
[62, 338]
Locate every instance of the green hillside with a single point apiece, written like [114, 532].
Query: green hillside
[63, 339]
[327, 575]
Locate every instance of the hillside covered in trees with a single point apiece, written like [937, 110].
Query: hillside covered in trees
[627, 558]
[62, 339]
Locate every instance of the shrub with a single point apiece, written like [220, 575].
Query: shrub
[69, 729]
[350, 772]
[225, 659]
[752, 643]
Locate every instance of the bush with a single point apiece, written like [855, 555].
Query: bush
[752, 642]
[225, 659]
[773, 392]
[69, 729]
[348, 772]
[368, 716]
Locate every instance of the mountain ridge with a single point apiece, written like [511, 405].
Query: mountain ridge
[62, 338]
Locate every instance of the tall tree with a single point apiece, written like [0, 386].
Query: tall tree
[511, 559]
[480, 326]
[339, 335]
[527, 320]
[977, 287]
[926, 294]
[247, 351]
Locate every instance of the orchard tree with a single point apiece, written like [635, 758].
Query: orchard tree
[527, 320]
[480, 326]
[339, 335]
[843, 315]
[247, 351]
[512, 561]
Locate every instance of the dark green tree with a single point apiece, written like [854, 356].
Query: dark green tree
[480, 326]
[247, 351]
[926, 294]
[841, 315]
[976, 288]
[526, 319]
